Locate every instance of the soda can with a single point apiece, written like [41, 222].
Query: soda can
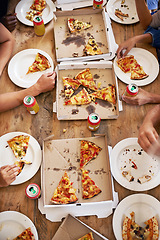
[31, 104]
[97, 4]
[33, 191]
[131, 90]
[93, 121]
[39, 27]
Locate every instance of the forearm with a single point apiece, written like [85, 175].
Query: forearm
[144, 38]
[153, 116]
[13, 99]
[143, 13]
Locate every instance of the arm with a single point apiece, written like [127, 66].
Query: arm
[13, 99]
[6, 46]
[8, 175]
[143, 13]
[9, 21]
[142, 98]
[131, 42]
[148, 137]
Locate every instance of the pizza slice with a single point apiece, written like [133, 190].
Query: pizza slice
[151, 231]
[88, 152]
[41, 63]
[26, 234]
[20, 164]
[89, 188]
[80, 98]
[75, 25]
[92, 48]
[88, 236]
[107, 94]
[31, 14]
[64, 193]
[138, 73]
[70, 86]
[38, 5]
[19, 145]
[86, 79]
[127, 63]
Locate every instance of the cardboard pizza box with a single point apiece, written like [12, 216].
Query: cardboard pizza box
[103, 75]
[72, 228]
[69, 47]
[60, 155]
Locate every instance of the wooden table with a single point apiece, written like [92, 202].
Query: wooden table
[45, 123]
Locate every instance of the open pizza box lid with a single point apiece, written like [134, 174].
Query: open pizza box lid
[103, 74]
[72, 228]
[73, 4]
[60, 155]
[69, 46]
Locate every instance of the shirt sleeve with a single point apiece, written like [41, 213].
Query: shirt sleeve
[155, 36]
[155, 23]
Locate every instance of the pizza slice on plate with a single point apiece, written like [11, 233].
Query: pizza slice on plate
[107, 94]
[92, 48]
[88, 236]
[75, 25]
[126, 63]
[80, 98]
[31, 14]
[88, 152]
[138, 73]
[131, 230]
[19, 145]
[89, 188]
[86, 79]
[38, 5]
[64, 193]
[26, 234]
[41, 63]
[70, 86]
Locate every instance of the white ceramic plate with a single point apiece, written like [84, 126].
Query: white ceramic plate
[144, 206]
[24, 6]
[19, 64]
[13, 223]
[122, 155]
[130, 9]
[33, 154]
[147, 60]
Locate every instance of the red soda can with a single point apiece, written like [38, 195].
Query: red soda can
[131, 90]
[39, 27]
[97, 4]
[33, 191]
[93, 121]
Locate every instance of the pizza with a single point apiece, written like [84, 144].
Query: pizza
[129, 64]
[19, 145]
[120, 14]
[75, 25]
[64, 193]
[70, 86]
[86, 79]
[88, 152]
[131, 230]
[80, 98]
[41, 63]
[31, 14]
[38, 5]
[91, 48]
[107, 94]
[89, 188]
[88, 236]
[26, 235]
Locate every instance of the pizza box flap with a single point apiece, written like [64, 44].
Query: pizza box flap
[62, 155]
[103, 74]
[69, 47]
[72, 229]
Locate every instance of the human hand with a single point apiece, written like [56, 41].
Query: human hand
[141, 98]
[148, 139]
[127, 46]
[46, 82]
[8, 174]
[9, 21]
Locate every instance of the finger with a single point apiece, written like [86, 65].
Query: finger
[5, 167]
